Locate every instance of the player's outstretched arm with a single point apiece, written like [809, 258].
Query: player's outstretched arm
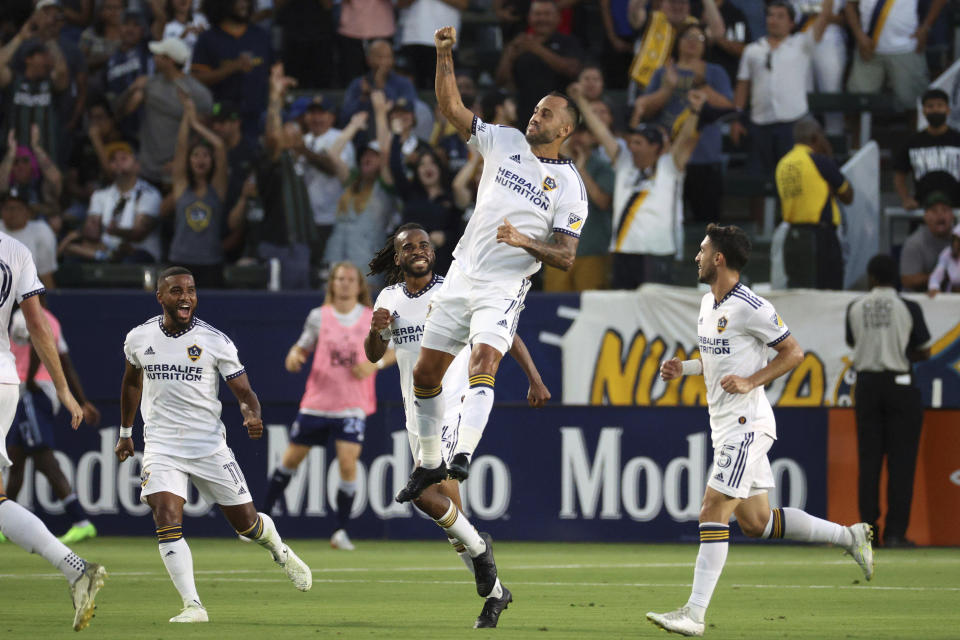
[448, 96]
[131, 388]
[789, 356]
[42, 338]
[249, 405]
[559, 252]
[537, 394]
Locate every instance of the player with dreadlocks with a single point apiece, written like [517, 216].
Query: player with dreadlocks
[400, 313]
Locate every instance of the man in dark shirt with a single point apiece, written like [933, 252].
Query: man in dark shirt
[241, 156]
[233, 58]
[131, 61]
[539, 62]
[931, 156]
[726, 51]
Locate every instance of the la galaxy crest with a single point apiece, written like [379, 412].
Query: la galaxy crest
[574, 221]
[549, 184]
[776, 320]
[721, 324]
[193, 352]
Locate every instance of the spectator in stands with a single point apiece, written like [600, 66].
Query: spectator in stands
[181, 21]
[233, 59]
[511, 16]
[367, 206]
[100, 40]
[309, 44]
[618, 44]
[809, 183]
[121, 224]
[241, 155]
[592, 85]
[162, 109]
[931, 157]
[130, 61]
[419, 19]
[33, 176]
[323, 186]
[15, 221]
[726, 49]
[647, 206]
[33, 94]
[87, 169]
[444, 137]
[922, 248]
[946, 275]
[402, 121]
[199, 189]
[540, 61]
[381, 77]
[591, 270]
[829, 56]
[665, 102]
[891, 42]
[660, 32]
[773, 72]
[362, 23]
[287, 230]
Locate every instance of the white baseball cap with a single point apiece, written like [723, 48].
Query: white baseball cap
[174, 48]
[47, 3]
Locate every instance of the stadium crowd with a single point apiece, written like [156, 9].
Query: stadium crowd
[298, 132]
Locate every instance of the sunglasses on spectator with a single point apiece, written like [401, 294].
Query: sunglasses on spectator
[699, 37]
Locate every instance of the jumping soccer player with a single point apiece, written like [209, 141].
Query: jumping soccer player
[400, 313]
[735, 328]
[531, 207]
[173, 366]
[24, 529]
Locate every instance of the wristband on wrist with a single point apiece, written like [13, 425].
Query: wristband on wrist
[126, 432]
[692, 367]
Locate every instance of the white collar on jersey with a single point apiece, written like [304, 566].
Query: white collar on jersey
[193, 323]
[437, 278]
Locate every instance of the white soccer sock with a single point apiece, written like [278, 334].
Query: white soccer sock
[29, 533]
[496, 592]
[179, 563]
[456, 525]
[462, 553]
[474, 414]
[264, 533]
[714, 543]
[428, 412]
[800, 525]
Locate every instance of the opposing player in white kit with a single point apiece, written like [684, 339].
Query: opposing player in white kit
[173, 366]
[398, 319]
[531, 207]
[19, 283]
[734, 330]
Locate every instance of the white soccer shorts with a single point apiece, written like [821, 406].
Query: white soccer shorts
[217, 477]
[9, 397]
[466, 311]
[740, 465]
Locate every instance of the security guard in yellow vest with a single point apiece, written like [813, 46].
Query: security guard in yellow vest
[810, 183]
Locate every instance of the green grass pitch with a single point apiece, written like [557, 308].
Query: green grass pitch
[421, 590]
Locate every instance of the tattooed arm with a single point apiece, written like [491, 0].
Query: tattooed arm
[559, 252]
[448, 96]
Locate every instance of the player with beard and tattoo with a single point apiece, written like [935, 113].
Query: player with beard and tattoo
[174, 364]
[531, 207]
[400, 313]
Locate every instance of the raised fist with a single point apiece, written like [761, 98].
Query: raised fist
[445, 38]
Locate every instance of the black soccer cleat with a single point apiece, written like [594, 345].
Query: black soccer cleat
[459, 467]
[492, 609]
[485, 570]
[420, 479]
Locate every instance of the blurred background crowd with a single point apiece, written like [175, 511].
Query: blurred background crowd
[257, 141]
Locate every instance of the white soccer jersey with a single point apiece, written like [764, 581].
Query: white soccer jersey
[181, 382]
[733, 337]
[18, 281]
[409, 314]
[538, 196]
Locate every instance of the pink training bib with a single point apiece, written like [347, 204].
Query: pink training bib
[331, 386]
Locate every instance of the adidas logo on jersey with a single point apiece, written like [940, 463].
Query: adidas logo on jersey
[149, 352]
[719, 477]
[242, 491]
[516, 158]
[502, 323]
[396, 314]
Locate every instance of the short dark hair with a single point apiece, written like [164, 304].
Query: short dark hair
[172, 271]
[732, 242]
[572, 107]
[489, 103]
[934, 94]
[883, 269]
[783, 4]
